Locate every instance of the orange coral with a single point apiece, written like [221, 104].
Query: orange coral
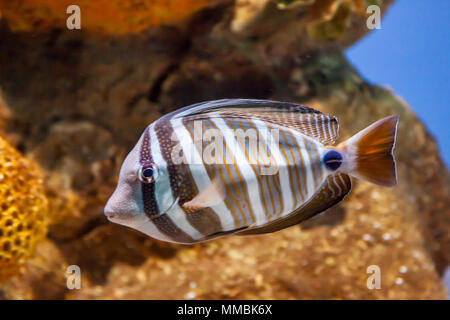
[102, 16]
[23, 210]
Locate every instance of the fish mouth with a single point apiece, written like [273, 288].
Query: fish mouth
[114, 217]
[134, 219]
[128, 220]
[109, 215]
[119, 217]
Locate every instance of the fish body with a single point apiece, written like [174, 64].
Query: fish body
[243, 166]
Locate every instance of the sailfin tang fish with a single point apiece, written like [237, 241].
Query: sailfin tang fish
[241, 166]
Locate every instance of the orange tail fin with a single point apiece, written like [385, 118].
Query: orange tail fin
[368, 154]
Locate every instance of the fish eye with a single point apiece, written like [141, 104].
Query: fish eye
[148, 173]
[332, 160]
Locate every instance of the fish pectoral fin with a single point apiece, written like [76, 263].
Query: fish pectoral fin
[332, 191]
[213, 195]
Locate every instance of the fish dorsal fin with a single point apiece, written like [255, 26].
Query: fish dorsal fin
[313, 123]
[333, 190]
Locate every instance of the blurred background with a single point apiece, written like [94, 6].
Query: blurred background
[410, 54]
[73, 102]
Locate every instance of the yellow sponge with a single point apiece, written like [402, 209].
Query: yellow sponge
[23, 210]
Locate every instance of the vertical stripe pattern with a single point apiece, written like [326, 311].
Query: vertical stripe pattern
[268, 166]
[162, 222]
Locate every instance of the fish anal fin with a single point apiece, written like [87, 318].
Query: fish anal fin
[332, 191]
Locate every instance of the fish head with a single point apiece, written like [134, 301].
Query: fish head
[125, 206]
[140, 180]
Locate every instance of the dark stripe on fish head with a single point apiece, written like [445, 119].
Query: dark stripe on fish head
[161, 220]
[148, 189]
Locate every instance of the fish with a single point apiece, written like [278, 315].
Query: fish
[244, 167]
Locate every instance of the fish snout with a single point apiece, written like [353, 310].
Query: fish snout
[114, 210]
[109, 214]
[118, 210]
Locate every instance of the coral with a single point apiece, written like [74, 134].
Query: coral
[23, 210]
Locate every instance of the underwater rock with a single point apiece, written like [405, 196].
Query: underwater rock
[78, 166]
[23, 210]
[331, 19]
[104, 16]
[4, 116]
[323, 20]
[245, 12]
[79, 101]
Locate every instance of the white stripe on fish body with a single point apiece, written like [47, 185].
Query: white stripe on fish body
[198, 172]
[245, 169]
[259, 159]
[163, 192]
[274, 148]
[307, 170]
[299, 162]
[253, 158]
[220, 163]
[321, 150]
[150, 229]
[313, 165]
[287, 194]
[290, 150]
[314, 148]
[268, 168]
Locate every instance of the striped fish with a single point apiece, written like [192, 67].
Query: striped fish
[243, 166]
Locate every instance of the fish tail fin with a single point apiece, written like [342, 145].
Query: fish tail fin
[368, 155]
